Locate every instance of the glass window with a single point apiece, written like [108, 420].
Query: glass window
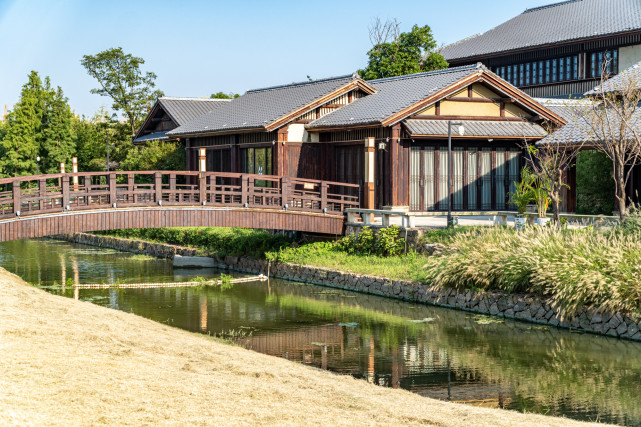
[534, 73]
[548, 71]
[615, 61]
[541, 69]
[527, 74]
[575, 68]
[554, 66]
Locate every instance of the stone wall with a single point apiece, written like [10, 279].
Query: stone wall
[513, 306]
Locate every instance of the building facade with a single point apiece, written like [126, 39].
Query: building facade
[558, 50]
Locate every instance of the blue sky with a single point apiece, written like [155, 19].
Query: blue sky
[200, 47]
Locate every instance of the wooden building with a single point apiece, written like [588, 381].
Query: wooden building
[389, 135]
[557, 50]
[168, 113]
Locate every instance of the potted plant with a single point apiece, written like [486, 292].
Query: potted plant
[522, 196]
[542, 204]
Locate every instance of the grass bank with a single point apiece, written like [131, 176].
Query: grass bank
[66, 362]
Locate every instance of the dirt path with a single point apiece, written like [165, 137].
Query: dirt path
[65, 362]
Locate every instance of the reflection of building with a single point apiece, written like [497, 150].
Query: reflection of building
[557, 50]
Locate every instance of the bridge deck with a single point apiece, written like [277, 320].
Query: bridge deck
[63, 203]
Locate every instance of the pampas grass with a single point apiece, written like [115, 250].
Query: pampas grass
[574, 268]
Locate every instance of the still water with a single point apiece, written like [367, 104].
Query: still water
[436, 352]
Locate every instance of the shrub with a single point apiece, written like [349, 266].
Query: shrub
[387, 242]
[573, 267]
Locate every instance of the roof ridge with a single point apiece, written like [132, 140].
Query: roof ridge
[187, 98]
[311, 82]
[547, 6]
[478, 66]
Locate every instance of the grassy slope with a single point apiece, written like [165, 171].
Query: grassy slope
[64, 362]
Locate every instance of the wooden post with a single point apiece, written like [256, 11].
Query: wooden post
[112, 189]
[65, 191]
[172, 188]
[284, 192]
[130, 188]
[323, 194]
[202, 187]
[394, 178]
[244, 189]
[16, 197]
[42, 192]
[368, 190]
[202, 160]
[74, 169]
[280, 153]
[62, 170]
[158, 186]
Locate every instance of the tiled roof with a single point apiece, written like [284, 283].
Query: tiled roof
[627, 79]
[156, 136]
[394, 94]
[477, 128]
[183, 110]
[559, 22]
[566, 108]
[259, 107]
[580, 131]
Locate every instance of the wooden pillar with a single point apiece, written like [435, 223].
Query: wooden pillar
[202, 160]
[280, 153]
[74, 169]
[368, 181]
[65, 191]
[112, 189]
[188, 165]
[42, 192]
[15, 185]
[394, 179]
[158, 187]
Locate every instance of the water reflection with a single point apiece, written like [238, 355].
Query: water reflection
[435, 352]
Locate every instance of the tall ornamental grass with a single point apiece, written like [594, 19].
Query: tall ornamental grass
[573, 267]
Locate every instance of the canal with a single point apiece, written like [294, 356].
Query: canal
[436, 352]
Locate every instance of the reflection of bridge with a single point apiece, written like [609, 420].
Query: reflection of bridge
[43, 205]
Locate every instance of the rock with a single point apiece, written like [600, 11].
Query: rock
[622, 329]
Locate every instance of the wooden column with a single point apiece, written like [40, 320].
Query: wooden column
[188, 165]
[112, 189]
[394, 179]
[65, 192]
[42, 192]
[158, 186]
[280, 153]
[16, 197]
[202, 168]
[368, 181]
[74, 169]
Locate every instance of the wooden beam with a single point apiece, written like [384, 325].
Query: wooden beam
[473, 118]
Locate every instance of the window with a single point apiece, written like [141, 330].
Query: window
[548, 71]
[535, 74]
[575, 68]
[527, 74]
[258, 161]
[554, 66]
[599, 60]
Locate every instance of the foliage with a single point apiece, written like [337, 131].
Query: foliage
[20, 145]
[121, 79]
[155, 155]
[632, 223]
[384, 243]
[223, 95]
[395, 54]
[58, 144]
[594, 184]
[524, 193]
[217, 241]
[573, 267]
[329, 255]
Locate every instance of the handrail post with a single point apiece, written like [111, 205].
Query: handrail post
[42, 192]
[16, 196]
[112, 189]
[172, 187]
[158, 187]
[131, 197]
[65, 191]
[244, 190]
[284, 191]
[323, 193]
[202, 187]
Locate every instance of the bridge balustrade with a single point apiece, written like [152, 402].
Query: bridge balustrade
[41, 194]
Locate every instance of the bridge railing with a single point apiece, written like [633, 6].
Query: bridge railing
[31, 195]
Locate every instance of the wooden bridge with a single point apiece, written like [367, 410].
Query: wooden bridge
[44, 205]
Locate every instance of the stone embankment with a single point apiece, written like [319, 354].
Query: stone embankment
[513, 306]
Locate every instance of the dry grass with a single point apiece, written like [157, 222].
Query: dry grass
[64, 362]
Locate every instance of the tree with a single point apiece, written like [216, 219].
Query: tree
[20, 145]
[550, 160]
[58, 145]
[223, 95]
[122, 80]
[612, 124]
[156, 155]
[395, 53]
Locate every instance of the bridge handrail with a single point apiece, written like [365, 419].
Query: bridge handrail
[30, 195]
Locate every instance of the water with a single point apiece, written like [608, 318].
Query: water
[436, 352]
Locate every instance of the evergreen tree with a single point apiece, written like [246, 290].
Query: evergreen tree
[58, 145]
[20, 145]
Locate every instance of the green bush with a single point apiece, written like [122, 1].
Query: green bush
[573, 267]
[594, 184]
[387, 242]
[219, 241]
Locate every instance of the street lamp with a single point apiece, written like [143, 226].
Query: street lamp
[37, 165]
[461, 132]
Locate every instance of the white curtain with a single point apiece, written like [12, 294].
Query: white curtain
[443, 189]
[429, 168]
[486, 178]
[472, 172]
[457, 172]
[415, 179]
[501, 191]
